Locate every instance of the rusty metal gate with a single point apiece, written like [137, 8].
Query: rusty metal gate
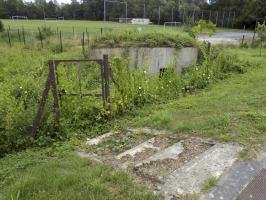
[52, 83]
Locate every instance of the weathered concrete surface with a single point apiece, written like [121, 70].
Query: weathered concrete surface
[138, 149]
[189, 178]
[227, 38]
[171, 152]
[238, 177]
[152, 59]
[97, 140]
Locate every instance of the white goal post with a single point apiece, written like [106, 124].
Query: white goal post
[17, 17]
[172, 24]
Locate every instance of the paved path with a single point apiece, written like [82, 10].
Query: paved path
[238, 177]
[227, 37]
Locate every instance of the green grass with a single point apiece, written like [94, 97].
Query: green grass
[57, 173]
[209, 184]
[93, 27]
[229, 110]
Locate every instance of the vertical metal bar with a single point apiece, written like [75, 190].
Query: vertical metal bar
[61, 43]
[103, 85]
[23, 35]
[104, 11]
[159, 14]
[54, 91]
[9, 39]
[217, 15]
[19, 37]
[73, 31]
[144, 11]
[126, 12]
[172, 14]
[83, 42]
[106, 78]
[193, 16]
[242, 42]
[40, 34]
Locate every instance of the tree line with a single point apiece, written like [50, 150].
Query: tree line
[246, 12]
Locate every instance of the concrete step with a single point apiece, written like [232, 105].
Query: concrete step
[169, 159]
[142, 151]
[99, 139]
[189, 178]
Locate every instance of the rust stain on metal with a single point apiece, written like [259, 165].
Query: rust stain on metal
[256, 189]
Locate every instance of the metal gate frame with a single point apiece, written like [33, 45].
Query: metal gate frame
[52, 82]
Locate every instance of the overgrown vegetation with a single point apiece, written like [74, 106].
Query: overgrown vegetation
[130, 90]
[140, 39]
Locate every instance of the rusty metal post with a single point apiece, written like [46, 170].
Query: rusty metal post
[54, 90]
[103, 85]
[37, 120]
[106, 78]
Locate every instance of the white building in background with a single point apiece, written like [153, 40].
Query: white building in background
[140, 21]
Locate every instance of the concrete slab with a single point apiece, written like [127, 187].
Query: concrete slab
[138, 149]
[190, 177]
[236, 179]
[97, 140]
[171, 152]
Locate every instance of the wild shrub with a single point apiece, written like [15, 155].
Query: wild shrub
[202, 26]
[1, 26]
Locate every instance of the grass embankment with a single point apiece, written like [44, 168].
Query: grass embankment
[229, 110]
[57, 173]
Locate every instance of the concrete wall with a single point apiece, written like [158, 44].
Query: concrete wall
[152, 59]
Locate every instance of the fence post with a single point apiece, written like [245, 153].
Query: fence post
[106, 80]
[23, 35]
[40, 34]
[54, 91]
[61, 43]
[209, 55]
[101, 31]
[19, 37]
[9, 39]
[242, 42]
[73, 31]
[83, 42]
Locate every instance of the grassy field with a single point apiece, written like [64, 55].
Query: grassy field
[93, 27]
[227, 104]
[229, 110]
